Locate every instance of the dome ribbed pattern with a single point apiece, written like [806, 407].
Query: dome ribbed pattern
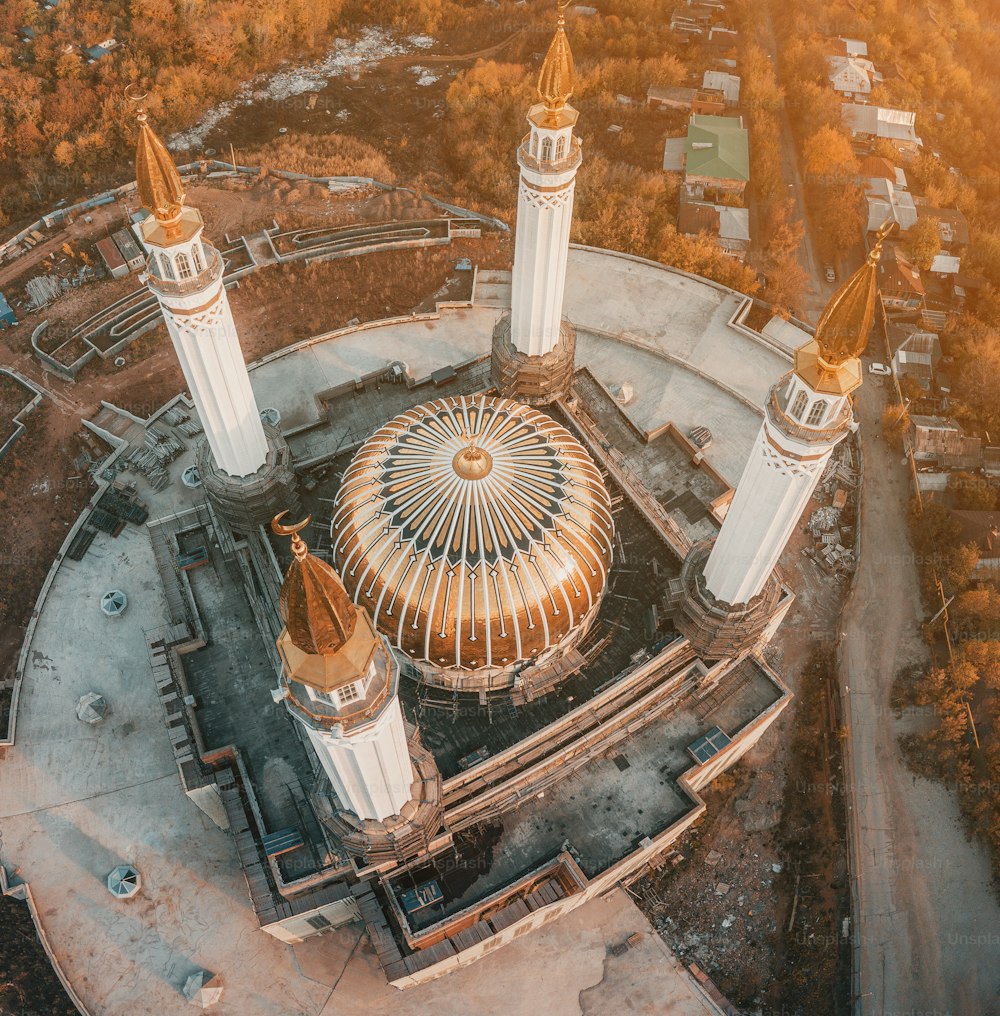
[474, 567]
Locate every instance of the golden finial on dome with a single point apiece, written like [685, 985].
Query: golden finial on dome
[472, 463]
[159, 183]
[555, 80]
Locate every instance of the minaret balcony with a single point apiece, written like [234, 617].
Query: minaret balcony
[778, 416]
[571, 160]
[194, 283]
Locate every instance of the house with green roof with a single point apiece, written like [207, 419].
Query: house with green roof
[715, 154]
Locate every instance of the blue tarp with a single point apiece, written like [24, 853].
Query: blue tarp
[7, 316]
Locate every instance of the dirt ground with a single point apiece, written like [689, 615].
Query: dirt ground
[773, 835]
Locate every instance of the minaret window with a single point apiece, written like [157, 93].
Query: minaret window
[196, 258]
[349, 693]
[166, 268]
[183, 266]
[816, 413]
[534, 145]
[546, 149]
[560, 148]
[801, 401]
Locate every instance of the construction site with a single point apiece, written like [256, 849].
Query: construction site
[575, 783]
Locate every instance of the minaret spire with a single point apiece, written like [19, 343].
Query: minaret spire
[340, 681]
[533, 346]
[730, 589]
[185, 274]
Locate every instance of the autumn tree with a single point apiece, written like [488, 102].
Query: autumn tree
[924, 238]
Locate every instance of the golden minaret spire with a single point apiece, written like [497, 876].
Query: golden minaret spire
[555, 80]
[160, 189]
[314, 604]
[830, 361]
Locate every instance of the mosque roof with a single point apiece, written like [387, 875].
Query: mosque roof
[477, 532]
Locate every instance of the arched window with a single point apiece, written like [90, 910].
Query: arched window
[533, 150]
[816, 413]
[560, 148]
[546, 149]
[196, 258]
[166, 268]
[183, 266]
[801, 400]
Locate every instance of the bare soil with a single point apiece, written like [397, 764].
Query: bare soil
[28, 984]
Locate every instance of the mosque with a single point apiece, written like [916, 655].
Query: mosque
[504, 671]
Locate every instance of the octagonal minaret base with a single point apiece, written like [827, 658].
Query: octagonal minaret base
[247, 502]
[718, 630]
[397, 838]
[532, 380]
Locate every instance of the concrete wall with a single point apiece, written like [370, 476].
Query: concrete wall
[18, 418]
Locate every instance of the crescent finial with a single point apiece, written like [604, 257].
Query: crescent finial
[299, 548]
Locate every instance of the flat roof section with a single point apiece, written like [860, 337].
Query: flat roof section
[602, 811]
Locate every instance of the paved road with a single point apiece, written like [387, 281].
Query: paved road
[928, 924]
[929, 921]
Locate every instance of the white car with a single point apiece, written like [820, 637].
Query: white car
[829, 274]
[879, 368]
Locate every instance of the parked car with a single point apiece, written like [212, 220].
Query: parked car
[879, 368]
[830, 274]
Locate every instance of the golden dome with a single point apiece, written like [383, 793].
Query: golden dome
[472, 555]
[825, 362]
[159, 183]
[326, 643]
[555, 80]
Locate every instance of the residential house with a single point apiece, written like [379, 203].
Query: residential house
[897, 126]
[899, 281]
[915, 353]
[952, 225]
[941, 441]
[670, 97]
[686, 22]
[133, 255]
[854, 47]
[872, 166]
[727, 84]
[112, 258]
[716, 154]
[712, 103]
[729, 227]
[888, 203]
[982, 530]
[26, 33]
[852, 76]
[722, 38]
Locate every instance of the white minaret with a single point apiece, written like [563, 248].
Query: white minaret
[807, 414]
[340, 681]
[185, 274]
[549, 157]
[800, 430]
